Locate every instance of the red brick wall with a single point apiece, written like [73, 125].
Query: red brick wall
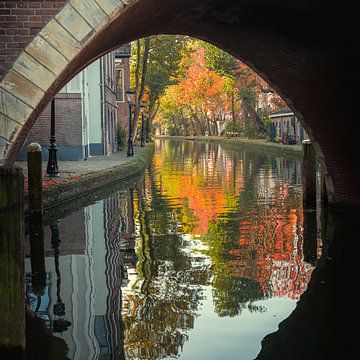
[123, 107]
[20, 21]
[68, 123]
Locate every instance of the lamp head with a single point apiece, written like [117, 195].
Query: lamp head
[130, 93]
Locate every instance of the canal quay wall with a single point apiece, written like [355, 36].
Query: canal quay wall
[256, 144]
[79, 178]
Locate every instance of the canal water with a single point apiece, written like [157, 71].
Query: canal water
[199, 258]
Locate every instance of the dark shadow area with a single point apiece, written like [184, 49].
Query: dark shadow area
[317, 329]
[41, 345]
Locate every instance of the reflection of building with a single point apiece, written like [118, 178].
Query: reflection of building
[86, 115]
[287, 127]
[270, 252]
[287, 169]
[91, 277]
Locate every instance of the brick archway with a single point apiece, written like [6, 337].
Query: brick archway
[294, 45]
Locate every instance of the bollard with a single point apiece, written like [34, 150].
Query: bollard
[309, 175]
[34, 163]
[12, 298]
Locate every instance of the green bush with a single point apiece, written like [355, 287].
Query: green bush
[231, 127]
[121, 138]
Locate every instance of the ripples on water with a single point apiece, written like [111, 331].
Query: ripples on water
[199, 259]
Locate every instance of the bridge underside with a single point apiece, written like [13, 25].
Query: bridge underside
[297, 46]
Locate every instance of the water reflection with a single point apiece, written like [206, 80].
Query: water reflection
[199, 259]
[87, 256]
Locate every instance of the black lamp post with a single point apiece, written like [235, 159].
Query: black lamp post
[52, 166]
[130, 150]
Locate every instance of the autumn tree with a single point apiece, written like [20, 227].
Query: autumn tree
[200, 94]
[226, 66]
[164, 58]
[155, 67]
[140, 54]
[196, 85]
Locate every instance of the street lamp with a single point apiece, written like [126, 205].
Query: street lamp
[130, 150]
[142, 127]
[52, 166]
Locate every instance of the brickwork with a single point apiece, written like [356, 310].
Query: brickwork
[122, 106]
[68, 117]
[20, 21]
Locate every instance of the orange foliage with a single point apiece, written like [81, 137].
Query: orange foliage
[202, 87]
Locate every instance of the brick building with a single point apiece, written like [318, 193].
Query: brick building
[86, 115]
[122, 78]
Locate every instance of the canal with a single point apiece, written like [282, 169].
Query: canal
[200, 258]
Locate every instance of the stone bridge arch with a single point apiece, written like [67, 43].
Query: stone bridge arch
[294, 45]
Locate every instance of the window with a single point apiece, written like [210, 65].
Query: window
[119, 85]
[74, 85]
[109, 127]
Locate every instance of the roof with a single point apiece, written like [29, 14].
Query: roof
[282, 112]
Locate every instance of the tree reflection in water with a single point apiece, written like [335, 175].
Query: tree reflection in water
[209, 216]
[167, 293]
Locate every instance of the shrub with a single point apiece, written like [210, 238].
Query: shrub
[121, 138]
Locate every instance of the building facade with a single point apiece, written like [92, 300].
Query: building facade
[86, 115]
[286, 128]
[122, 79]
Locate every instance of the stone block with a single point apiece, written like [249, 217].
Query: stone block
[13, 108]
[91, 12]
[127, 2]
[60, 39]
[22, 88]
[31, 69]
[110, 6]
[75, 24]
[8, 128]
[47, 55]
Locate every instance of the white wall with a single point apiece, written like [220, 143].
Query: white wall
[93, 78]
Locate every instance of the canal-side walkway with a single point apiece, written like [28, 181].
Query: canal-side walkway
[259, 143]
[78, 178]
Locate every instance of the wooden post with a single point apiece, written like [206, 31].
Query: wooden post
[310, 237]
[309, 175]
[34, 162]
[12, 298]
[323, 190]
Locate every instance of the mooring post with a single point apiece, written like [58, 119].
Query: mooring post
[12, 299]
[309, 175]
[34, 163]
[310, 237]
[323, 190]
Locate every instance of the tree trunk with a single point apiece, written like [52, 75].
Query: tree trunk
[233, 108]
[153, 109]
[140, 83]
[198, 123]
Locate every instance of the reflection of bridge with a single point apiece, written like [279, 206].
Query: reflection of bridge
[39, 57]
